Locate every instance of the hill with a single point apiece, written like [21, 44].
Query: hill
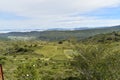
[62, 60]
[53, 35]
[104, 38]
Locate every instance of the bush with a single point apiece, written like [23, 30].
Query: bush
[2, 60]
[27, 72]
[92, 63]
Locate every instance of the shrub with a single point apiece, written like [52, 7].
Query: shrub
[92, 63]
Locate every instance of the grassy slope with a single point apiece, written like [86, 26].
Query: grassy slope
[50, 50]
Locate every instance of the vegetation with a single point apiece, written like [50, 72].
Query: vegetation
[96, 63]
[95, 58]
[56, 35]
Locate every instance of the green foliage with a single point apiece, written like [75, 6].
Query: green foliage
[2, 60]
[27, 72]
[93, 64]
[18, 49]
[104, 38]
[111, 68]
[55, 35]
[63, 59]
[43, 70]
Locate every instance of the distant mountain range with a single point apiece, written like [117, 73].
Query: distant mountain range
[51, 29]
[57, 33]
[19, 30]
[68, 29]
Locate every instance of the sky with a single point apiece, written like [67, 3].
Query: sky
[45, 14]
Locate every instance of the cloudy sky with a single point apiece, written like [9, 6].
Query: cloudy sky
[59, 13]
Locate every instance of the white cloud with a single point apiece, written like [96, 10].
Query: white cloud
[50, 13]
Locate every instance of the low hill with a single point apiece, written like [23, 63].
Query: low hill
[60, 35]
[104, 38]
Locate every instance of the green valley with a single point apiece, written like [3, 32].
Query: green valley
[93, 58]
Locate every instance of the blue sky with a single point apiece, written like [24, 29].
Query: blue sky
[44, 14]
[10, 16]
[105, 13]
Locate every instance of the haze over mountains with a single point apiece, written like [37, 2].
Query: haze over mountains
[40, 29]
[37, 29]
[56, 33]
